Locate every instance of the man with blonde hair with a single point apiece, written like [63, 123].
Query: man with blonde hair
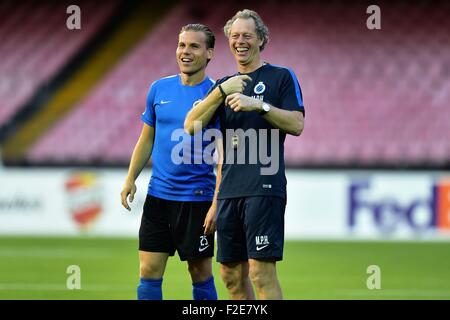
[180, 208]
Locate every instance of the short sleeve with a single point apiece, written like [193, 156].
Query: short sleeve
[149, 116]
[291, 94]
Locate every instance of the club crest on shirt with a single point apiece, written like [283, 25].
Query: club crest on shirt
[259, 88]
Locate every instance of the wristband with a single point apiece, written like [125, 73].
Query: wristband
[222, 92]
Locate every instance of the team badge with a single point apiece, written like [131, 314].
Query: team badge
[259, 88]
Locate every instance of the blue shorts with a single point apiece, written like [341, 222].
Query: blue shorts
[250, 227]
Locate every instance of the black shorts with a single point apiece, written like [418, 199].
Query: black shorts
[250, 227]
[168, 225]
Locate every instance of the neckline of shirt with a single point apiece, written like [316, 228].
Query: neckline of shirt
[195, 86]
[256, 70]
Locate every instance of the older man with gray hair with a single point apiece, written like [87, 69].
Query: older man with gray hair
[261, 97]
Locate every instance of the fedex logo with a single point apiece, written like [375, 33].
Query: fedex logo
[419, 212]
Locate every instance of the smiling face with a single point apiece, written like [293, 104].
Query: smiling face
[192, 53]
[244, 42]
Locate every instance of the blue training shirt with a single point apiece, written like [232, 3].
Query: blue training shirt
[179, 170]
[279, 87]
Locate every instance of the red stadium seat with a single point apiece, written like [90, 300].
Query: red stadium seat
[372, 97]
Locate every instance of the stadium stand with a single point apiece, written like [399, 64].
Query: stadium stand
[109, 117]
[373, 97]
[126, 29]
[36, 45]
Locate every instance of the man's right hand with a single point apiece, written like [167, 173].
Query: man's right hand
[235, 84]
[129, 188]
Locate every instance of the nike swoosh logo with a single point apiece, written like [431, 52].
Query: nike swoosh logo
[203, 249]
[260, 248]
[164, 102]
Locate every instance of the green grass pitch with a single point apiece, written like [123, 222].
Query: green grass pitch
[35, 268]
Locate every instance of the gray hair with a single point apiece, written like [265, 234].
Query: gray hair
[261, 29]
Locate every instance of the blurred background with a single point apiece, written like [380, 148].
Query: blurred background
[368, 180]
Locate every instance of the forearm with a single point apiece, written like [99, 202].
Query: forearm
[291, 122]
[141, 154]
[203, 112]
[218, 181]
[220, 152]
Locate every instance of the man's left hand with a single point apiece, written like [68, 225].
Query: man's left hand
[240, 102]
[210, 220]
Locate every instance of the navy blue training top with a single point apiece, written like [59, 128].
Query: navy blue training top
[254, 149]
